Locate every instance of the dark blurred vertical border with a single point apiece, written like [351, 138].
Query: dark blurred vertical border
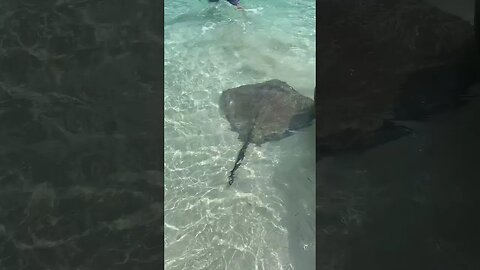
[81, 134]
[477, 23]
[389, 70]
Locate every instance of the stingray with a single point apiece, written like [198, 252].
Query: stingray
[263, 112]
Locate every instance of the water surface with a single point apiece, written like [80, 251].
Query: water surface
[266, 219]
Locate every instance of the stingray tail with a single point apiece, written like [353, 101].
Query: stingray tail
[241, 154]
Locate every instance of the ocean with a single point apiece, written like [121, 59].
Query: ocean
[266, 219]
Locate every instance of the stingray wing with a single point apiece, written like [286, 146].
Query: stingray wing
[271, 108]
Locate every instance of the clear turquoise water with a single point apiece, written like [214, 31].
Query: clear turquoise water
[266, 220]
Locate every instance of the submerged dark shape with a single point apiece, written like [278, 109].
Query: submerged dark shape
[264, 112]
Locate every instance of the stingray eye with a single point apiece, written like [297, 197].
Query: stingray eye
[230, 103]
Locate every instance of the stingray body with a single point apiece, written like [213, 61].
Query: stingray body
[263, 112]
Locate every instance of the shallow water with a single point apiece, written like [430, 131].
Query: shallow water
[266, 219]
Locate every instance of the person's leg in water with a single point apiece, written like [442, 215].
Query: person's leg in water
[236, 3]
